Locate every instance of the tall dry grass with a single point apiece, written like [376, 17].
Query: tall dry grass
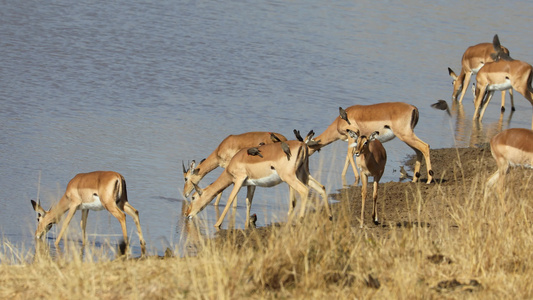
[474, 247]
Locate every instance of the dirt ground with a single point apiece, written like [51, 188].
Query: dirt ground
[454, 168]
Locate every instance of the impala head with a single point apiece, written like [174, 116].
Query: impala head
[191, 177]
[194, 206]
[361, 141]
[457, 84]
[43, 223]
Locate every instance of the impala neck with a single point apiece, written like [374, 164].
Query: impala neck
[330, 135]
[222, 182]
[208, 165]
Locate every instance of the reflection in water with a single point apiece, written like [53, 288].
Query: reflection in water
[478, 133]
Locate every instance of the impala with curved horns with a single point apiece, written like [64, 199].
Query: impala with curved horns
[507, 73]
[270, 169]
[474, 58]
[222, 155]
[90, 191]
[371, 160]
[511, 147]
[390, 119]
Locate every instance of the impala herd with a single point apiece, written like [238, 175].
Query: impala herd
[266, 159]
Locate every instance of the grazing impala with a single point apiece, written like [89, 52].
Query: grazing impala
[511, 147]
[267, 171]
[90, 191]
[504, 74]
[390, 119]
[223, 154]
[371, 160]
[473, 60]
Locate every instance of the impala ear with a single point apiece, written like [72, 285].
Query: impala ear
[354, 135]
[38, 208]
[496, 43]
[183, 166]
[373, 135]
[198, 189]
[193, 165]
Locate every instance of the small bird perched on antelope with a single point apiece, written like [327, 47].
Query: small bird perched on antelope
[254, 151]
[286, 149]
[344, 115]
[274, 138]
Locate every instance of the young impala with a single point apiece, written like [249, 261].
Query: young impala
[504, 74]
[473, 60]
[223, 154]
[90, 191]
[269, 170]
[511, 147]
[390, 119]
[371, 160]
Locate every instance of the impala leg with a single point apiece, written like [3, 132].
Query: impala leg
[466, 82]
[421, 149]
[317, 186]
[364, 179]
[83, 224]
[375, 198]
[237, 186]
[217, 200]
[485, 103]
[121, 217]
[292, 200]
[249, 197]
[478, 102]
[512, 100]
[301, 188]
[71, 212]
[132, 212]
[351, 161]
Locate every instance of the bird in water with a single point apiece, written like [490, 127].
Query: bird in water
[344, 115]
[286, 149]
[403, 174]
[253, 219]
[274, 138]
[442, 105]
[254, 151]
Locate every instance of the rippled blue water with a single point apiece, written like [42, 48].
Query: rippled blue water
[137, 87]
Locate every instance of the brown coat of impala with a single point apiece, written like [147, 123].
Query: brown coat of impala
[511, 147]
[267, 171]
[222, 155]
[390, 119]
[472, 61]
[502, 75]
[371, 158]
[90, 191]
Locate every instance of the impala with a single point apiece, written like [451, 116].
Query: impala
[371, 160]
[511, 147]
[267, 171]
[502, 75]
[390, 119]
[90, 191]
[473, 60]
[222, 156]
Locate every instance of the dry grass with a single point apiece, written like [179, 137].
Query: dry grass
[474, 248]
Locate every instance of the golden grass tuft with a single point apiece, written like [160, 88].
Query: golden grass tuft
[453, 243]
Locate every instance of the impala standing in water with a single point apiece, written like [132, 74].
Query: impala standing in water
[222, 155]
[474, 58]
[274, 167]
[90, 191]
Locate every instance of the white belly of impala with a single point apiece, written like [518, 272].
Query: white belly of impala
[96, 204]
[500, 86]
[385, 135]
[269, 181]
